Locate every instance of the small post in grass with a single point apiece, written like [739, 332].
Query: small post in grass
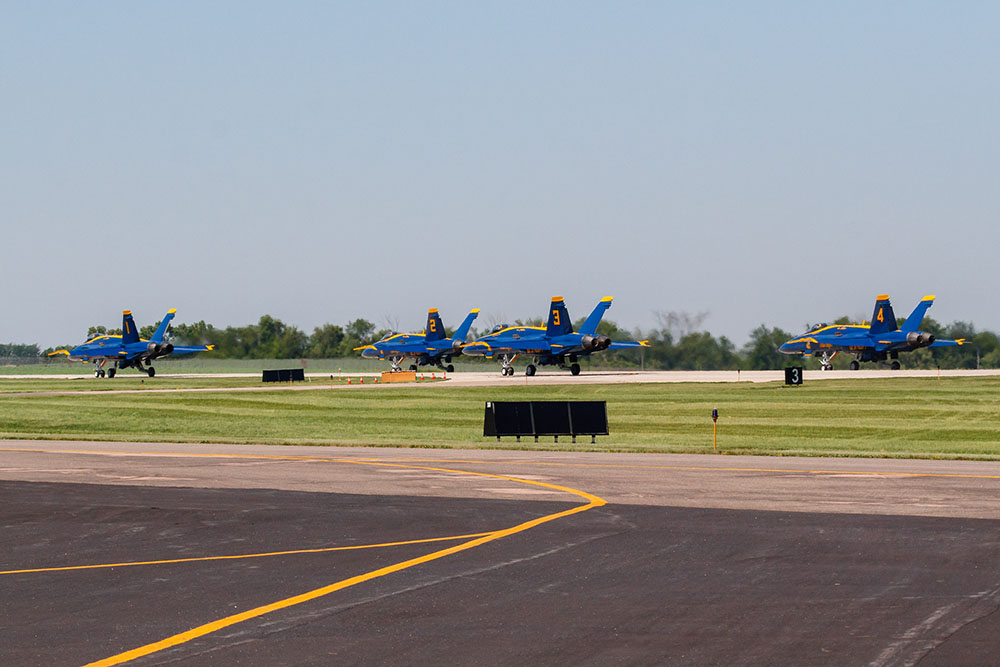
[715, 427]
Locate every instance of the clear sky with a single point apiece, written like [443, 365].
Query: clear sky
[776, 163]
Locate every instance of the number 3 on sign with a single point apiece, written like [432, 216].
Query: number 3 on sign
[555, 317]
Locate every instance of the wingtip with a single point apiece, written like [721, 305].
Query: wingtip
[929, 297]
[172, 311]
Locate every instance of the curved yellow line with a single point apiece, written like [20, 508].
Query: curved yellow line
[240, 556]
[214, 626]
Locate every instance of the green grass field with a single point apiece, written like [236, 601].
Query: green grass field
[892, 417]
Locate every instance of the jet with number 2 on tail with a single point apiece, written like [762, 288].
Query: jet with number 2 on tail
[128, 350]
[430, 347]
[554, 344]
[881, 341]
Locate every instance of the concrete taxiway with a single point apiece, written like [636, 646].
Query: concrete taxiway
[256, 555]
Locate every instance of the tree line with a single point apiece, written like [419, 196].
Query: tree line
[679, 343]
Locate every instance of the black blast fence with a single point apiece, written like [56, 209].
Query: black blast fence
[555, 418]
[284, 375]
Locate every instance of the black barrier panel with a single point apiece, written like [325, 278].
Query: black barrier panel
[589, 417]
[551, 418]
[793, 375]
[517, 418]
[284, 375]
[507, 418]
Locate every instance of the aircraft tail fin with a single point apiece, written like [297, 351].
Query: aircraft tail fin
[559, 322]
[915, 318]
[434, 330]
[883, 319]
[162, 329]
[590, 325]
[463, 328]
[129, 333]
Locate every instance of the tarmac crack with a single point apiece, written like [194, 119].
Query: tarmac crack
[920, 640]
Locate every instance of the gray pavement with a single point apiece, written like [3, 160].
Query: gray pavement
[692, 560]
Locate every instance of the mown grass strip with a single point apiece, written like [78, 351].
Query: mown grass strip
[925, 417]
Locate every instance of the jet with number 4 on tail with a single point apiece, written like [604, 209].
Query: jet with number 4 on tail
[880, 341]
[128, 350]
[554, 344]
[430, 347]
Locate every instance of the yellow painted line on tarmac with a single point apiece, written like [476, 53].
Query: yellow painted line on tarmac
[873, 473]
[237, 557]
[386, 461]
[208, 628]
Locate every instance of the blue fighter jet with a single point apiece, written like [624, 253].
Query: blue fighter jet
[554, 344]
[880, 341]
[430, 347]
[128, 350]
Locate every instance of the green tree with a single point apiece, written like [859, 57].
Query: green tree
[761, 351]
[325, 341]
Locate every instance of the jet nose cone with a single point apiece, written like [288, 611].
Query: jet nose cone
[369, 353]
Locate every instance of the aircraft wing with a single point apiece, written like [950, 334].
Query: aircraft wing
[519, 346]
[188, 349]
[621, 345]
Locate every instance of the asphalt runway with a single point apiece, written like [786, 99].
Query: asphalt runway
[255, 555]
[314, 381]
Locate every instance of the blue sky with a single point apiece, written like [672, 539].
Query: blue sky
[776, 163]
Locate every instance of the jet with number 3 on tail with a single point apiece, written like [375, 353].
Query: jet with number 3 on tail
[880, 341]
[128, 350]
[554, 344]
[430, 347]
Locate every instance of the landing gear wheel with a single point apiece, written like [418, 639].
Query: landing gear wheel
[150, 371]
[894, 365]
[530, 370]
[98, 373]
[509, 370]
[855, 365]
[111, 372]
[413, 367]
[575, 369]
[450, 368]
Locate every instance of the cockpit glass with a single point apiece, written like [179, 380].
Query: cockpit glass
[817, 327]
[498, 327]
